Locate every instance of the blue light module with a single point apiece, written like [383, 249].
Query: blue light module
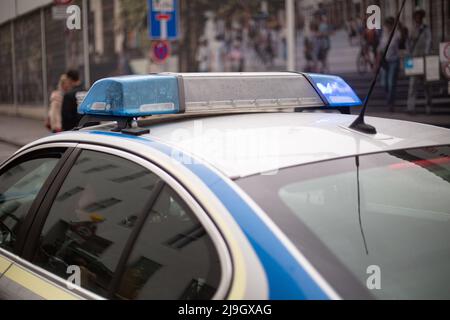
[335, 90]
[133, 96]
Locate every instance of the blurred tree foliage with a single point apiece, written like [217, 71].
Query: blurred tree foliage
[134, 13]
[134, 19]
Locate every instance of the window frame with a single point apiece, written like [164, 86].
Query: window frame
[23, 156]
[165, 178]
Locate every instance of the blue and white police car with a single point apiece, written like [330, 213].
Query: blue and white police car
[224, 186]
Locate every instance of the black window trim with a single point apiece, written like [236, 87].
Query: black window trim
[41, 214]
[40, 217]
[28, 154]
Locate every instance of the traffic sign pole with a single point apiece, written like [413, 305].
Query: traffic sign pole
[290, 26]
[87, 68]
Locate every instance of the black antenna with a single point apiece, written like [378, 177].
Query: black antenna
[359, 124]
[359, 205]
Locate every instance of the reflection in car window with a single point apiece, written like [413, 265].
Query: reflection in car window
[173, 258]
[400, 226]
[92, 217]
[19, 186]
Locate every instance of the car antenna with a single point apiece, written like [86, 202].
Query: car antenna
[359, 124]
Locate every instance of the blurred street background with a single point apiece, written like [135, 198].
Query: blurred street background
[116, 37]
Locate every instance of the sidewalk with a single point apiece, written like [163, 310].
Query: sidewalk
[19, 131]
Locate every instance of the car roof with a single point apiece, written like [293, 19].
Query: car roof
[241, 145]
[247, 144]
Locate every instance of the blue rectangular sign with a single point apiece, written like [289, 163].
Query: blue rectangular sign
[163, 19]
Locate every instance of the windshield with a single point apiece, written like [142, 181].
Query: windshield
[381, 221]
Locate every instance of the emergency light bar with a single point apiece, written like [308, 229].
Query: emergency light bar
[335, 90]
[172, 93]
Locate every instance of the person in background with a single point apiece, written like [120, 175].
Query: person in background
[372, 40]
[391, 64]
[308, 50]
[217, 48]
[54, 119]
[311, 48]
[351, 31]
[70, 116]
[404, 36]
[323, 42]
[203, 56]
[419, 46]
[321, 11]
[236, 57]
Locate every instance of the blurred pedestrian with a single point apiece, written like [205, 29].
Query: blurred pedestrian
[236, 57]
[217, 49]
[70, 116]
[419, 46]
[404, 36]
[351, 31]
[308, 51]
[391, 63]
[321, 11]
[54, 118]
[372, 38]
[203, 56]
[323, 42]
[311, 47]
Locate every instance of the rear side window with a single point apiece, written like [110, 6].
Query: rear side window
[92, 218]
[20, 182]
[173, 257]
[384, 217]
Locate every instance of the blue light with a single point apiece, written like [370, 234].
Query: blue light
[132, 96]
[335, 90]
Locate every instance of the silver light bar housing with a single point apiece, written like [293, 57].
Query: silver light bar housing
[247, 92]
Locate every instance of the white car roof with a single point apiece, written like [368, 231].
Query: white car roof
[246, 144]
[240, 145]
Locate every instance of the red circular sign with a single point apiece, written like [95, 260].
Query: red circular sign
[447, 70]
[160, 51]
[62, 2]
[447, 51]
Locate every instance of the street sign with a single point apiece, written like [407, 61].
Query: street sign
[163, 19]
[444, 57]
[160, 51]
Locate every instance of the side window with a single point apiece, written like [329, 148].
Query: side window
[20, 182]
[92, 217]
[173, 257]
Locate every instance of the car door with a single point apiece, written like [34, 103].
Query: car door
[86, 227]
[24, 180]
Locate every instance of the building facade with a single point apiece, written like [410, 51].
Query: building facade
[36, 47]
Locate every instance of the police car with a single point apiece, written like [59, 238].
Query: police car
[224, 186]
